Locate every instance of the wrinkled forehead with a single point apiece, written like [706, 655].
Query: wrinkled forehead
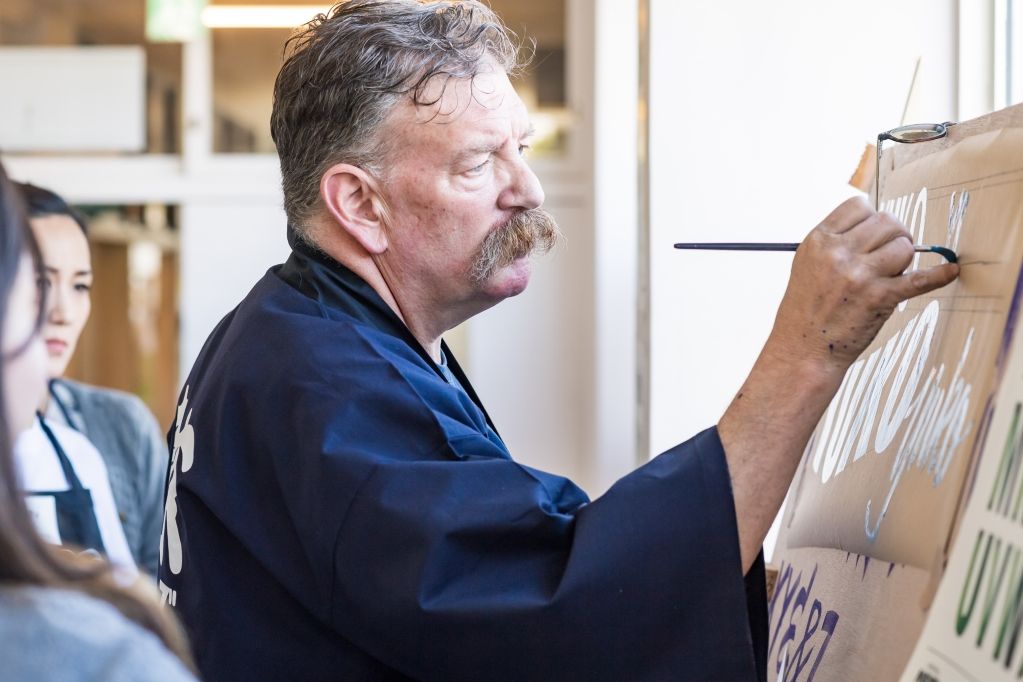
[459, 108]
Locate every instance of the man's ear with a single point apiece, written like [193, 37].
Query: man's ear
[353, 201]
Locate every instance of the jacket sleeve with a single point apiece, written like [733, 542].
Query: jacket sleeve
[469, 566]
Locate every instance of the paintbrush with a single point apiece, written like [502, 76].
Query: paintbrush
[947, 253]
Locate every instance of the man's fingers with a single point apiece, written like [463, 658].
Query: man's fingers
[921, 281]
[848, 215]
[892, 257]
[876, 231]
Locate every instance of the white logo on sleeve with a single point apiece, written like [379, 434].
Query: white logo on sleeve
[183, 449]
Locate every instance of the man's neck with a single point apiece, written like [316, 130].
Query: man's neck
[425, 323]
[420, 319]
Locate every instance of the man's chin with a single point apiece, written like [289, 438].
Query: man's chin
[511, 280]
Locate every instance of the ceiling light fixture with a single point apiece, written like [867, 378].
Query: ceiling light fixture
[259, 16]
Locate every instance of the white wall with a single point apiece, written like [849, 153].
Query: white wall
[226, 247]
[616, 240]
[58, 99]
[759, 114]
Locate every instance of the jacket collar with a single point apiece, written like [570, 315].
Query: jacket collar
[334, 287]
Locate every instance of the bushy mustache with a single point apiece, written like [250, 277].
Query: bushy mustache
[530, 232]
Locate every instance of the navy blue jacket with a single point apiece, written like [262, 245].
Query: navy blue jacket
[339, 511]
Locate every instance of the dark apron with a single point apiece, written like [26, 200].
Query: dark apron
[76, 518]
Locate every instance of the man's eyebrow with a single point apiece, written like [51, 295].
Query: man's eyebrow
[491, 146]
[484, 147]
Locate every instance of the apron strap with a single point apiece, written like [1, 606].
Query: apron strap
[61, 406]
[65, 463]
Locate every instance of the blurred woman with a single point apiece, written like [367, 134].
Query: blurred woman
[124, 432]
[62, 617]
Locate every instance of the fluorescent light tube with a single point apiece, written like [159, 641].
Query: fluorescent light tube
[259, 16]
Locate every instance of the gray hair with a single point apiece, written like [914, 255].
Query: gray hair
[346, 70]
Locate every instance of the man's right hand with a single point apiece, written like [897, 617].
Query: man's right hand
[847, 278]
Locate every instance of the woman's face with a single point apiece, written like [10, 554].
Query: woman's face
[24, 355]
[68, 270]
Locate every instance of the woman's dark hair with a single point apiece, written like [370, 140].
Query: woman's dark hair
[15, 242]
[24, 558]
[40, 202]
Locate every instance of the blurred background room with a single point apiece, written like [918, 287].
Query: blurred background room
[658, 121]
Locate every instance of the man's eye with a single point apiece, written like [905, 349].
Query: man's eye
[478, 169]
[81, 286]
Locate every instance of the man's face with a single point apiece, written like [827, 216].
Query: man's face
[456, 176]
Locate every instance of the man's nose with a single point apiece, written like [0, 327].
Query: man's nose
[524, 190]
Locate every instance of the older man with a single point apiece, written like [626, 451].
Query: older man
[340, 505]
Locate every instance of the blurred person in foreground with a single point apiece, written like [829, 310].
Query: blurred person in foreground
[62, 617]
[340, 506]
[108, 438]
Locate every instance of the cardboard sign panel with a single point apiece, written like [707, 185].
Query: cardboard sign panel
[884, 469]
[874, 508]
[974, 626]
[863, 631]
